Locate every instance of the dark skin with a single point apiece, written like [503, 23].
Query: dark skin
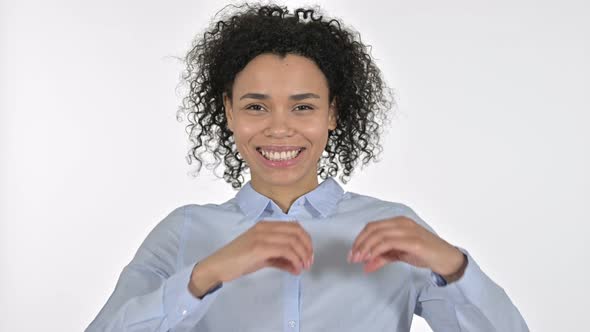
[402, 239]
[264, 114]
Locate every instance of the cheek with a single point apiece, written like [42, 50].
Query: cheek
[243, 131]
[318, 136]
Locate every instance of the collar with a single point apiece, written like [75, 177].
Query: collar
[324, 199]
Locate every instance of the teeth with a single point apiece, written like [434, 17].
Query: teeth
[283, 155]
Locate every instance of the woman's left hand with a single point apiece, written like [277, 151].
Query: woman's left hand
[402, 239]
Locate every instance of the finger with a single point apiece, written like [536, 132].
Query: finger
[400, 223]
[375, 264]
[370, 240]
[396, 244]
[367, 231]
[366, 248]
[295, 228]
[305, 238]
[277, 251]
[371, 228]
[283, 264]
[294, 242]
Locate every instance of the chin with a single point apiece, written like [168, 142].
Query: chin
[282, 179]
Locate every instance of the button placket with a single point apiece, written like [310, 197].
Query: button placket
[291, 283]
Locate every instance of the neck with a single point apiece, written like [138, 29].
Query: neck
[284, 195]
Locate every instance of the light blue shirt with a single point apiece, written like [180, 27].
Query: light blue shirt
[152, 291]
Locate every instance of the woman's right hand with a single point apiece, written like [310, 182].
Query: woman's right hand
[283, 245]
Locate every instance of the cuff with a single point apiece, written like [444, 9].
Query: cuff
[470, 274]
[472, 285]
[179, 302]
[440, 281]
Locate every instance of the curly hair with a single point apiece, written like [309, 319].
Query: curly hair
[361, 95]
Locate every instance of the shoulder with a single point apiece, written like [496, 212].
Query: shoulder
[359, 201]
[390, 209]
[174, 222]
[205, 212]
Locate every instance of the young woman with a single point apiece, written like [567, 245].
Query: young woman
[289, 97]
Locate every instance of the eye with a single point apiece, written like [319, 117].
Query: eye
[305, 108]
[254, 107]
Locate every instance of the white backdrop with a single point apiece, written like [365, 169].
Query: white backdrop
[489, 144]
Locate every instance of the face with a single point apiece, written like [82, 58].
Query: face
[280, 116]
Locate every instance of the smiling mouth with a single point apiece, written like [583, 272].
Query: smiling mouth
[280, 155]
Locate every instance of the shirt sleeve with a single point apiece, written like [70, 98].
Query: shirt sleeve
[474, 302]
[152, 291]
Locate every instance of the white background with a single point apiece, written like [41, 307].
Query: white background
[489, 145]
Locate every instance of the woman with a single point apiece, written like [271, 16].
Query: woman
[289, 97]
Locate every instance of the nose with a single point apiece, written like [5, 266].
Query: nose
[279, 125]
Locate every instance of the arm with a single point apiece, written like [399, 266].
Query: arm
[471, 301]
[152, 292]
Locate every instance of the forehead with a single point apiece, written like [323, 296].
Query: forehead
[278, 77]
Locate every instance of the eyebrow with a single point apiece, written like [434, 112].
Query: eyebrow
[297, 97]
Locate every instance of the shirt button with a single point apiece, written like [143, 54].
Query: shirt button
[184, 312]
[291, 323]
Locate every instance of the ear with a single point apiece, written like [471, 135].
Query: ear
[227, 104]
[332, 115]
